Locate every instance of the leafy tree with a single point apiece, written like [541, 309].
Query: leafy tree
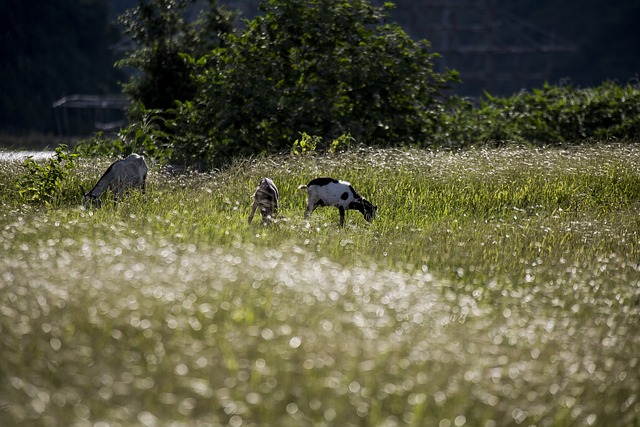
[321, 67]
[164, 33]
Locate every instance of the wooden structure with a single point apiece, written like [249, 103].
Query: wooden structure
[78, 115]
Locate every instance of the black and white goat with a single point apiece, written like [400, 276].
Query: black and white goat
[129, 172]
[331, 192]
[266, 199]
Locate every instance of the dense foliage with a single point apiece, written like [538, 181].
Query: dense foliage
[51, 50]
[323, 67]
[48, 183]
[163, 33]
[549, 115]
[315, 76]
[319, 67]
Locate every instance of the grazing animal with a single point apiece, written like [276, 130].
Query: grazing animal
[122, 174]
[265, 198]
[331, 192]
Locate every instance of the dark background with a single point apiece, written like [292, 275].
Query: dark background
[52, 50]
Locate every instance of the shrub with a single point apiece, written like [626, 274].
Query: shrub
[45, 183]
[552, 114]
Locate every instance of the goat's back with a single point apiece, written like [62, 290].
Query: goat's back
[266, 193]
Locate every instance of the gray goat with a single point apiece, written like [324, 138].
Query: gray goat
[265, 198]
[130, 172]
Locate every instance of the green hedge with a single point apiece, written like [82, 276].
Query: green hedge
[549, 115]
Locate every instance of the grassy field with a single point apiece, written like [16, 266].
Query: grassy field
[496, 287]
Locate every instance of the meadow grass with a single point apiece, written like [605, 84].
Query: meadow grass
[495, 287]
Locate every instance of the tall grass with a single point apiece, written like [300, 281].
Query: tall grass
[496, 287]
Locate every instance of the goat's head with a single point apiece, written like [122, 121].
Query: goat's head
[89, 200]
[369, 210]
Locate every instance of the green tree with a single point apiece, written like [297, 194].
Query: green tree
[164, 33]
[321, 67]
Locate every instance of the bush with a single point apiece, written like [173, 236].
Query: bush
[45, 183]
[551, 114]
[322, 67]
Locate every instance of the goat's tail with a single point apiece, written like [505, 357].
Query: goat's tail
[302, 187]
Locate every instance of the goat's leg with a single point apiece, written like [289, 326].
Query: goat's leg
[310, 208]
[144, 188]
[120, 191]
[341, 209]
[116, 194]
[253, 211]
[266, 216]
